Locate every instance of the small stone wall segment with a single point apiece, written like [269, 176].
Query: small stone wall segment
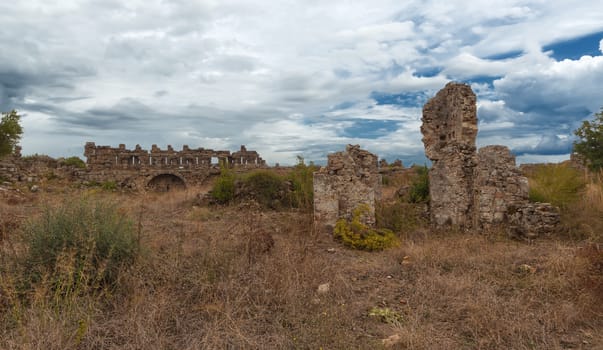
[449, 130]
[350, 178]
[499, 186]
[532, 220]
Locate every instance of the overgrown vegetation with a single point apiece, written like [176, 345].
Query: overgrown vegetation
[301, 178]
[10, 132]
[357, 235]
[401, 217]
[224, 187]
[590, 142]
[197, 288]
[269, 189]
[579, 197]
[558, 184]
[79, 242]
[419, 187]
[75, 162]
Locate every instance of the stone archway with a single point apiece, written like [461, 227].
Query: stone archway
[166, 182]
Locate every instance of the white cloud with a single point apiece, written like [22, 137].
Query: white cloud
[223, 73]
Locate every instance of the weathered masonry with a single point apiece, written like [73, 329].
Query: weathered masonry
[161, 169]
[351, 178]
[471, 189]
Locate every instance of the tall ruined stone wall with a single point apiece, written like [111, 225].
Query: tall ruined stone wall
[351, 178]
[470, 189]
[449, 131]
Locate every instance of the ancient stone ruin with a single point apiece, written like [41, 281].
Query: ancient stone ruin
[351, 178]
[449, 131]
[161, 169]
[107, 157]
[470, 189]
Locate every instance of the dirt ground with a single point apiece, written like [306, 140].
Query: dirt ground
[241, 277]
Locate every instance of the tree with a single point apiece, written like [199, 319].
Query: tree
[10, 132]
[590, 143]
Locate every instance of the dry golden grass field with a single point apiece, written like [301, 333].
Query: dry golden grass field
[242, 277]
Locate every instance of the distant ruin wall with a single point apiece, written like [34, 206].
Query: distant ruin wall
[470, 189]
[161, 169]
[132, 169]
[351, 178]
[106, 157]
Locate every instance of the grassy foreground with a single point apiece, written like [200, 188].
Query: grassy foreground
[243, 277]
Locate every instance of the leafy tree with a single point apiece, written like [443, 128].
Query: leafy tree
[590, 143]
[10, 132]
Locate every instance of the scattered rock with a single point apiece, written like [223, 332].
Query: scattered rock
[34, 188]
[324, 288]
[331, 250]
[526, 269]
[391, 340]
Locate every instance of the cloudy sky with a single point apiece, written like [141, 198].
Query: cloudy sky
[296, 77]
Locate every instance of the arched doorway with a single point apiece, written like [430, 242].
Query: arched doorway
[166, 182]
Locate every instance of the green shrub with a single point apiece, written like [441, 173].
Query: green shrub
[302, 180]
[109, 185]
[400, 217]
[357, 235]
[558, 184]
[75, 161]
[419, 187]
[266, 188]
[79, 244]
[224, 187]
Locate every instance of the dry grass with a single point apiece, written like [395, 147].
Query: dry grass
[206, 280]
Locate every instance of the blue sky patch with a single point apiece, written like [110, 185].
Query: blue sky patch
[505, 55]
[370, 129]
[343, 105]
[404, 99]
[575, 48]
[428, 72]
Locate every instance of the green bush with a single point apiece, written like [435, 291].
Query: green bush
[558, 184]
[75, 161]
[302, 179]
[400, 217]
[109, 185]
[224, 187]
[266, 188]
[419, 187]
[79, 244]
[357, 235]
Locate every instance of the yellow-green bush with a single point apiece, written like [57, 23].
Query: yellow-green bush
[558, 184]
[358, 235]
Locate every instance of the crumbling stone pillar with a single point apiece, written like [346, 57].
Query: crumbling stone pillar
[449, 131]
[351, 178]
